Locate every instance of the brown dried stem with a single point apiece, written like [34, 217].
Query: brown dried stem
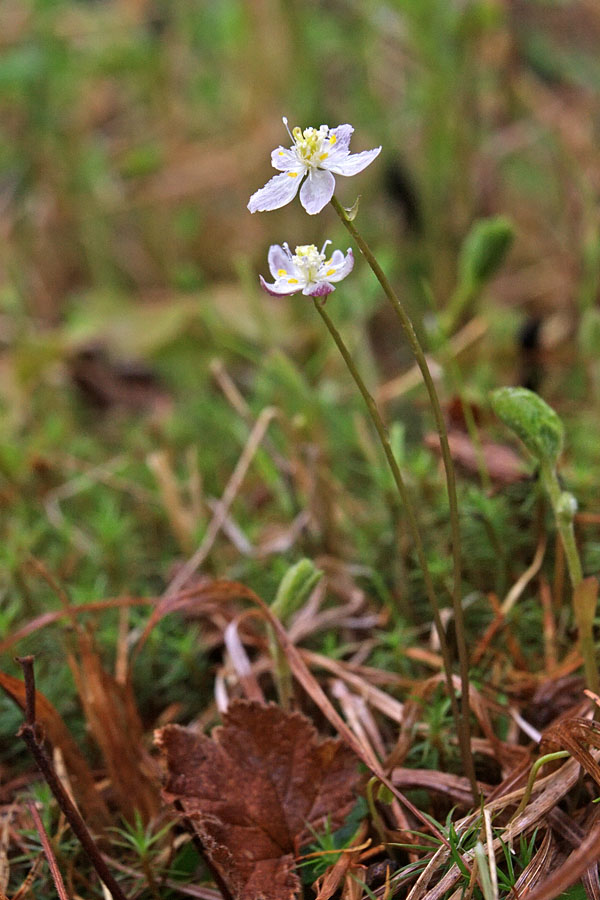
[30, 733]
[49, 853]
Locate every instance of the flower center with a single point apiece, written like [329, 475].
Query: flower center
[308, 260]
[309, 144]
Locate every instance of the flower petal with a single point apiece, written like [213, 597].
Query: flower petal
[342, 134]
[279, 289]
[354, 163]
[276, 192]
[342, 266]
[285, 160]
[318, 289]
[317, 190]
[279, 258]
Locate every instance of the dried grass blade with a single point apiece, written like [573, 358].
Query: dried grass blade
[538, 866]
[241, 663]
[229, 494]
[591, 882]
[456, 787]
[570, 735]
[333, 877]
[390, 707]
[25, 886]
[48, 852]
[573, 868]
[489, 840]
[113, 719]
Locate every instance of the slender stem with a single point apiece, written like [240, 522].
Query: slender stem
[29, 732]
[48, 852]
[548, 757]
[564, 524]
[408, 328]
[414, 528]
[585, 592]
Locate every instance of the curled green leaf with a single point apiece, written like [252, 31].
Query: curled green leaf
[530, 417]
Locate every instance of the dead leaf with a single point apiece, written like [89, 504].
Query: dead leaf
[252, 791]
[106, 383]
[503, 464]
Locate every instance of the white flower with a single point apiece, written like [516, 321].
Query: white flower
[306, 270]
[318, 154]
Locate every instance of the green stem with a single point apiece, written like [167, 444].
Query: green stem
[407, 326]
[549, 757]
[584, 592]
[563, 523]
[460, 721]
[372, 783]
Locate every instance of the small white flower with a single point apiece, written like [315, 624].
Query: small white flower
[306, 270]
[318, 154]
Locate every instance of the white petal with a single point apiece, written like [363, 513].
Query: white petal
[342, 133]
[354, 163]
[285, 160]
[340, 266]
[276, 192]
[344, 269]
[279, 259]
[317, 191]
[280, 288]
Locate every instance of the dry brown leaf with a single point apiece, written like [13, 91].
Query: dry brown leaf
[253, 788]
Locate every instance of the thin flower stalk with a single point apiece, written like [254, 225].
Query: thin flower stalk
[414, 529]
[408, 328]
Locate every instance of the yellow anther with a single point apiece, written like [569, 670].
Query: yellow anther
[332, 139]
[293, 174]
[281, 273]
[292, 281]
[323, 155]
[330, 272]
[297, 133]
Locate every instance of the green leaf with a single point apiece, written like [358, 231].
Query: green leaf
[530, 417]
[484, 251]
[295, 586]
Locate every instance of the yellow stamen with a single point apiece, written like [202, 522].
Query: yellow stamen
[293, 174]
[292, 281]
[332, 139]
[281, 273]
[330, 272]
[323, 155]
